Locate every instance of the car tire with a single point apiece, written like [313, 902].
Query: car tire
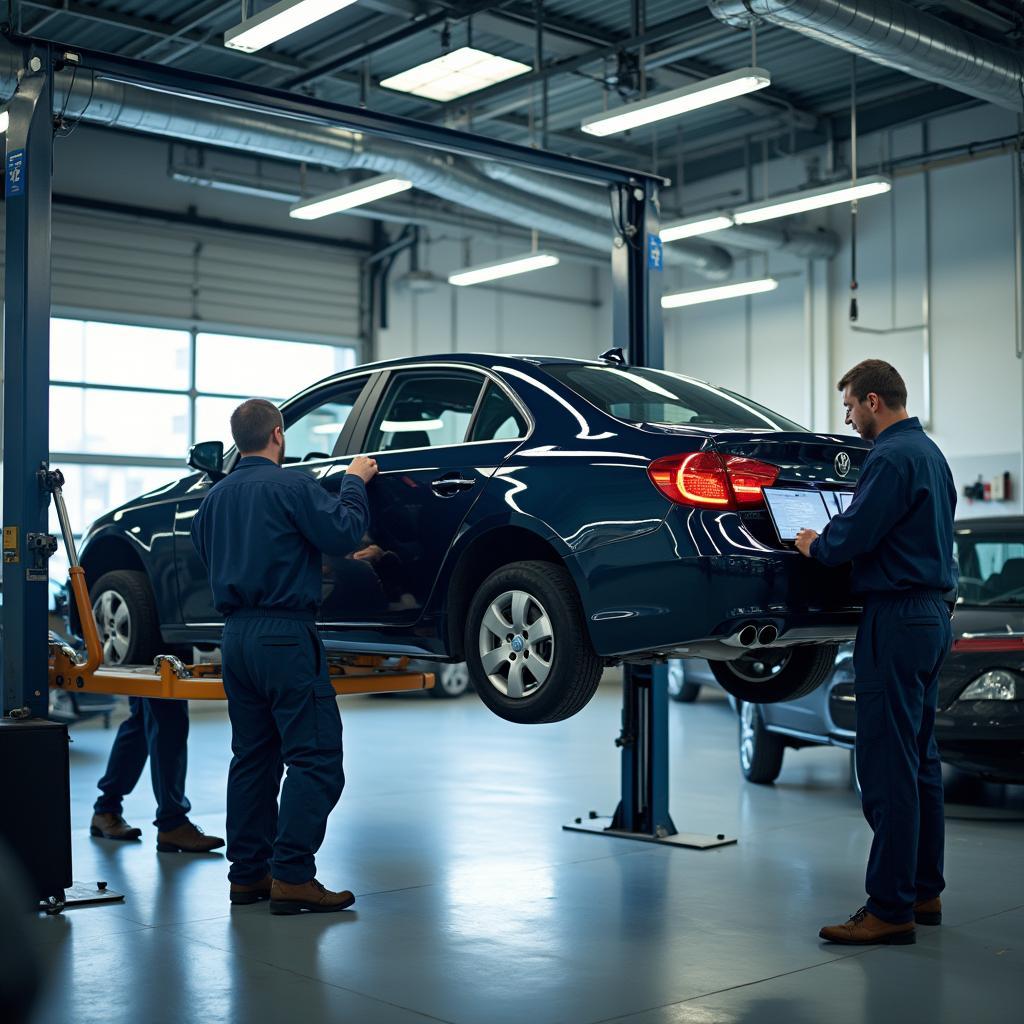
[566, 669]
[854, 774]
[760, 751]
[450, 681]
[678, 688]
[126, 617]
[770, 675]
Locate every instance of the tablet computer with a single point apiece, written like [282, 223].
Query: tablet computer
[844, 498]
[793, 511]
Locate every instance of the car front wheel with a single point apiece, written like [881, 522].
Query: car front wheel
[678, 688]
[529, 655]
[761, 751]
[126, 617]
[772, 674]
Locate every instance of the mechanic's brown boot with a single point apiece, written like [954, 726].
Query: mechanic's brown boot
[241, 895]
[311, 896]
[928, 911]
[864, 929]
[112, 826]
[187, 838]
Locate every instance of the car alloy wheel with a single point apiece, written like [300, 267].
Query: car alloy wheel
[114, 624]
[748, 712]
[516, 644]
[452, 680]
[761, 665]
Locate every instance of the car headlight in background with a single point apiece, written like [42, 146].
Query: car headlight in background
[997, 684]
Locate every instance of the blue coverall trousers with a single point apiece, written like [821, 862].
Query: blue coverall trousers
[283, 712]
[900, 647]
[157, 730]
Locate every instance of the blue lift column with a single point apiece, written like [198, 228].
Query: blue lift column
[27, 544]
[643, 810]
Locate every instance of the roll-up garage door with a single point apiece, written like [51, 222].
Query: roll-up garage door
[115, 266]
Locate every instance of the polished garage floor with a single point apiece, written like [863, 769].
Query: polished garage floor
[474, 907]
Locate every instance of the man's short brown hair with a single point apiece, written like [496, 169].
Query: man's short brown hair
[875, 376]
[253, 422]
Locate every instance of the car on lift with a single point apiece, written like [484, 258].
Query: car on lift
[536, 517]
[979, 724]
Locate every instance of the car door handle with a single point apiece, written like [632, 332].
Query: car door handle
[446, 486]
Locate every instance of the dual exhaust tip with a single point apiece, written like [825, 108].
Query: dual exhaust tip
[752, 635]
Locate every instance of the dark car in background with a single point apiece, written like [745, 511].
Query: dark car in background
[536, 517]
[980, 720]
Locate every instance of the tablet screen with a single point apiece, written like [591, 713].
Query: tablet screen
[793, 511]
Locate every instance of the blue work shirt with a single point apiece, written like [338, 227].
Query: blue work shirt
[261, 530]
[898, 530]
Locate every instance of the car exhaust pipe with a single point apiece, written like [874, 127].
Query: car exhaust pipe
[767, 635]
[746, 637]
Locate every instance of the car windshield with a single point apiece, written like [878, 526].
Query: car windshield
[639, 395]
[991, 565]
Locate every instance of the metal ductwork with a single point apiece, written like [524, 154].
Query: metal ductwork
[118, 105]
[898, 36]
[814, 244]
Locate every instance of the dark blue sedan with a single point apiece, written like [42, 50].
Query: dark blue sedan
[538, 518]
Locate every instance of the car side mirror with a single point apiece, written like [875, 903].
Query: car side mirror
[208, 457]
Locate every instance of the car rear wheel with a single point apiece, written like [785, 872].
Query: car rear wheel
[761, 751]
[772, 674]
[450, 681]
[678, 688]
[529, 656]
[126, 618]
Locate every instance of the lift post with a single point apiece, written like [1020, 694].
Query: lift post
[643, 810]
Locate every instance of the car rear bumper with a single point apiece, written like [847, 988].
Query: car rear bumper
[983, 737]
[663, 594]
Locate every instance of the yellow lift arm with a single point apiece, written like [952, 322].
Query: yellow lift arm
[169, 678]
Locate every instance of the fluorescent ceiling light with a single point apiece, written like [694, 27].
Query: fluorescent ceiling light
[278, 21]
[812, 199]
[326, 428]
[408, 426]
[695, 226]
[455, 74]
[503, 268]
[5, 121]
[344, 199]
[679, 101]
[725, 291]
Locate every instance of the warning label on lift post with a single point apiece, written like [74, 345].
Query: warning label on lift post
[15, 173]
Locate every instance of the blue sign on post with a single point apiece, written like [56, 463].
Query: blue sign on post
[655, 253]
[16, 173]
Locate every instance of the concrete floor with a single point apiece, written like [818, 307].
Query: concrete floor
[475, 907]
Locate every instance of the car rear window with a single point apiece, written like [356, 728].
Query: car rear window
[639, 395]
[991, 566]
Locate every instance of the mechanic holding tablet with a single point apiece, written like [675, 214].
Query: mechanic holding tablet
[898, 533]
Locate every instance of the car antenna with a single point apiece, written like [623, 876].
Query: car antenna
[614, 355]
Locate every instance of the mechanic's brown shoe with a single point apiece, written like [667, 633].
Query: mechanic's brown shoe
[242, 895]
[928, 911]
[310, 896]
[112, 826]
[187, 838]
[864, 929]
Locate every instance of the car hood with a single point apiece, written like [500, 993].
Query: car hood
[173, 491]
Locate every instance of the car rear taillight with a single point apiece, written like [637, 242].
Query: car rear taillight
[707, 480]
[990, 644]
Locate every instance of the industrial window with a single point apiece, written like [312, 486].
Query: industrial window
[424, 409]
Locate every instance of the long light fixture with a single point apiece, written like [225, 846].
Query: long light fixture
[679, 101]
[279, 20]
[701, 225]
[503, 268]
[5, 121]
[455, 74]
[345, 198]
[812, 199]
[725, 291]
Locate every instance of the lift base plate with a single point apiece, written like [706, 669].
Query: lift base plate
[689, 840]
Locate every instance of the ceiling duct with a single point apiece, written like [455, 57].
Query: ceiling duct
[898, 36]
[119, 105]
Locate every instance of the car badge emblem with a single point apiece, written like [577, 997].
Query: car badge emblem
[518, 645]
[842, 464]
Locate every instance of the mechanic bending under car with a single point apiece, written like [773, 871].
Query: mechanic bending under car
[261, 532]
[898, 533]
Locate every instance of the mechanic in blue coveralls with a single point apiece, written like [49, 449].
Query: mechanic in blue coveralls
[898, 533]
[261, 533]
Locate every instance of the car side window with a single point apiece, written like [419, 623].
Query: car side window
[424, 409]
[498, 419]
[317, 432]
